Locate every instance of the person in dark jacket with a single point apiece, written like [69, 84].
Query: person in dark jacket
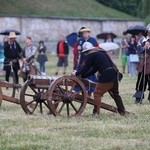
[62, 53]
[143, 69]
[12, 53]
[42, 57]
[107, 79]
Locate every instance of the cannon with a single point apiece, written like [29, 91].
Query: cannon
[60, 96]
[65, 95]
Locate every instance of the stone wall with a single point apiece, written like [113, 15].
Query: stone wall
[50, 28]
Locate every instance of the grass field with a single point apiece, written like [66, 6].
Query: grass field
[69, 8]
[108, 131]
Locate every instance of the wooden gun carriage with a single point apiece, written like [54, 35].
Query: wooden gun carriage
[60, 96]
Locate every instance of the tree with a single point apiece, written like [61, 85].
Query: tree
[127, 6]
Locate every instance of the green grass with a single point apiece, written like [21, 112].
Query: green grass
[69, 8]
[108, 131]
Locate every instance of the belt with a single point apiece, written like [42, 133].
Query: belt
[108, 68]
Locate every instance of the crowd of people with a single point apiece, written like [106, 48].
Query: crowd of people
[136, 56]
[90, 61]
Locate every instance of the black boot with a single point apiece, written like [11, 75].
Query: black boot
[139, 96]
[138, 101]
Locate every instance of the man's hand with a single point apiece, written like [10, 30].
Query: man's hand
[74, 73]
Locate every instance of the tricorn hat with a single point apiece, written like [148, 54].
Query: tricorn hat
[12, 35]
[87, 46]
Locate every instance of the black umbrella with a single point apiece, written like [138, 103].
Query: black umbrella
[104, 35]
[6, 32]
[135, 30]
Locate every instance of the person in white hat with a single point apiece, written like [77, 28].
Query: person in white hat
[143, 68]
[12, 53]
[100, 62]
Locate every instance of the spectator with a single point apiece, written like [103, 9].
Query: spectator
[124, 51]
[109, 38]
[2, 53]
[42, 57]
[62, 53]
[28, 55]
[132, 49]
[143, 69]
[12, 53]
[84, 37]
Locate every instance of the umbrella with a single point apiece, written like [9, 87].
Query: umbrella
[6, 32]
[104, 35]
[135, 30]
[107, 46]
[72, 39]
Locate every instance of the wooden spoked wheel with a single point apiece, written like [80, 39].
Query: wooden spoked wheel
[67, 96]
[33, 99]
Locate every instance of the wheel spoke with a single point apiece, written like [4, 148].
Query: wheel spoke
[66, 86]
[60, 89]
[41, 109]
[33, 89]
[46, 105]
[34, 107]
[76, 93]
[63, 104]
[30, 102]
[72, 87]
[73, 106]
[29, 95]
[68, 113]
[57, 102]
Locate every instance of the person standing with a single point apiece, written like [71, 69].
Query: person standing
[100, 62]
[124, 51]
[28, 55]
[84, 37]
[12, 54]
[62, 54]
[132, 49]
[42, 57]
[143, 69]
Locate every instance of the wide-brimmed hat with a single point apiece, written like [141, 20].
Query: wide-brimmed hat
[87, 46]
[84, 30]
[12, 35]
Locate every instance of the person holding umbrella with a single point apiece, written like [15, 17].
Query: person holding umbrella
[12, 53]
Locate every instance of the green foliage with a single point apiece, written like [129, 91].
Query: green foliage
[145, 8]
[127, 6]
[147, 20]
[70, 8]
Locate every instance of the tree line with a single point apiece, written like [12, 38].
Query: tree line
[137, 8]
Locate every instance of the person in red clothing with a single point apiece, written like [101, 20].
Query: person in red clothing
[62, 53]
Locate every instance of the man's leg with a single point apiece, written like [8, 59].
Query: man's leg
[114, 93]
[100, 89]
